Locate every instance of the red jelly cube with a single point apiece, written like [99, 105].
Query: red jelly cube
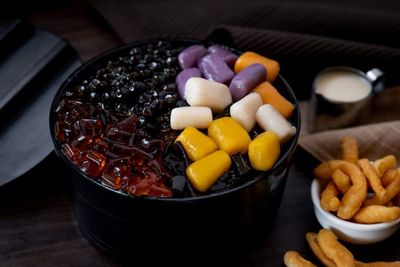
[129, 124]
[83, 143]
[69, 151]
[94, 163]
[160, 190]
[88, 127]
[74, 154]
[117, 172]
[120, 135]
[59, 131]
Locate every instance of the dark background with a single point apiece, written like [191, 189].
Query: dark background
[37, 225]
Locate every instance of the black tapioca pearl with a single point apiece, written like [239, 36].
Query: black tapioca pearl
[106, 96]
[132, 60]
[159, 53]
[162, 94]
[126, 90]
[121, 69]
[165, 127]
[82, 89]
[142, 133]
[163, 44]
[140, 66]
[159, 119]
[170, 73]
[134, 75]
[93, 96]
[145, 143]
[118, 93]
[171, 60]
[135, 51]
[155, 66]
[181, 103]
[140, 86]
[99, 73]
[149, 84]
[148, 58]
[145, 73]
[169, 87]
[149, 47]
[94, 84]
[170, 98]
[142, 99]
[141, 121]
[69, 93]
[158, 78]
[153, 93]
[146, 111]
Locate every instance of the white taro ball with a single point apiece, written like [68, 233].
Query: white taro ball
[205, 93]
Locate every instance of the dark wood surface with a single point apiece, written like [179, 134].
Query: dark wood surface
[80, 25]
[37, 224]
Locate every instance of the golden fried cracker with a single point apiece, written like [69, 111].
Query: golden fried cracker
[377, 214]
[349, 149]
[294, 259]
[335, 251]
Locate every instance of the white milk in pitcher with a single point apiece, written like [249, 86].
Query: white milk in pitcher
[342, 86]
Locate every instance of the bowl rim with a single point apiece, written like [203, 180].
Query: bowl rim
[260, 175]
[315, 191]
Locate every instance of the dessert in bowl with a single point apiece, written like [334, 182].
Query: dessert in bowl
[351, 232]
[151, 160]
[358, 198]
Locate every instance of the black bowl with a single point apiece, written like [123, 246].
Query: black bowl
[139, 227]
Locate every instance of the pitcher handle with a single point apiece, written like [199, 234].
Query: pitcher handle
[377, 79]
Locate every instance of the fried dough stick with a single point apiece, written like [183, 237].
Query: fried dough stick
[349, 149]
[354, 197]
[341, 180]
[386, 163]
[335, 251]
[378, 264]
[294, 259]
[389, 176]
[372, 177]
[329, 198]
[316, 249]
[391, 191]
[377, 214]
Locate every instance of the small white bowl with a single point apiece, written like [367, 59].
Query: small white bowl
[355, 233]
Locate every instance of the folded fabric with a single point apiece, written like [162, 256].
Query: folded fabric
[378, 133]
[304, 37]
[134, 20]
[302, 56]
[375, 141]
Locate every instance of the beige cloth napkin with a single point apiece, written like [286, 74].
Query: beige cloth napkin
[378, 136]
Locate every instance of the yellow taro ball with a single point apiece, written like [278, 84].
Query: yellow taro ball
[205, 172]
[196, 144]
[264, 151]
[229, 135]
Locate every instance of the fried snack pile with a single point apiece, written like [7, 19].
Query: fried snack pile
[359, 190]
[330, 252]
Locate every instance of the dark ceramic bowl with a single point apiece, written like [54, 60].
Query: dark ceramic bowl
[127, 226]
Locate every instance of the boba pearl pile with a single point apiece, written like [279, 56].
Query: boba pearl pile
[114, 123]
[165, 120]
[214, 80]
